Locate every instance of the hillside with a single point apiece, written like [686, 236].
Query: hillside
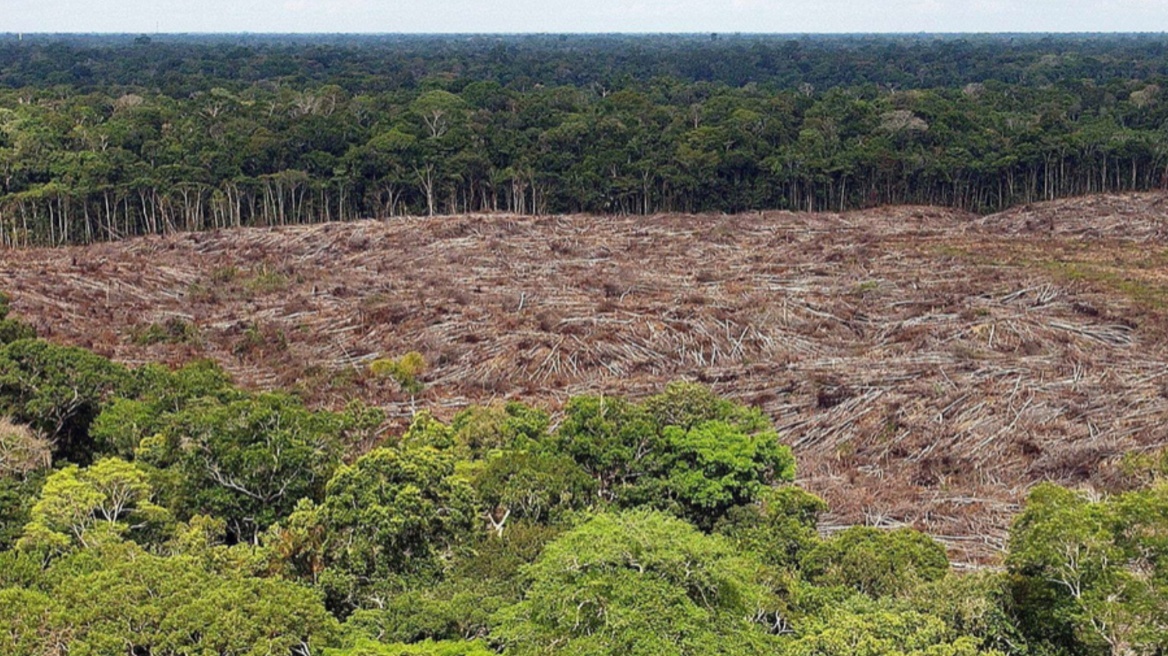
[927, 365]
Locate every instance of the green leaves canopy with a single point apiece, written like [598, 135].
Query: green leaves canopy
[638, 583]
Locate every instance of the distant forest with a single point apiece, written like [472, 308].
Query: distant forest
[103, 137]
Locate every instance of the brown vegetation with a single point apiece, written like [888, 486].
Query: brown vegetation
[927, 365]
[22, 450]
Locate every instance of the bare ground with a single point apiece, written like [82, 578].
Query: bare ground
[927, 366]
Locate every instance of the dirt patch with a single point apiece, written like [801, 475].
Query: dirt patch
[927, 366]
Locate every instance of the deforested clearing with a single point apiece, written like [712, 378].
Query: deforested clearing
[927, 365]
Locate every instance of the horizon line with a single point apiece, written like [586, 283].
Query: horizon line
[607, 33]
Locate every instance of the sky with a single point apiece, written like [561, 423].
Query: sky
[780, 16]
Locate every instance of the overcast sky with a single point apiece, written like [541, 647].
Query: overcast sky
[583, 16]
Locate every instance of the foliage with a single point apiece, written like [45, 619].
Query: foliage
[481, 581]
[406, 371]
[58, 390]
[425, 648]
[26, 623]
[860, 628]
[663, 527]
[12, 329]
[712, 467]
[427, 431]
[533, 486]
[779, 529]
[608, 437]
[130, 601]
[876, 562]
[638, 582]
[393, 515]
[480, 430]
[978, 605]
[159, 392]
[172, 331]
[17, 496]
[248, 461]
[687, 405]
[685, 450]
[102, 137]
[1098, 565]
[82, 507]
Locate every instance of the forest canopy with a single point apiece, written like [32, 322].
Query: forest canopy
[107, 137]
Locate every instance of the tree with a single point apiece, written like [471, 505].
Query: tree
[876, 562]
[159, 393]
[27, 625]
[858, 627]
[394, 515]
[58, 390]
[975, 604]
[534, 486]
[482, 429]
[780, 528]
[439, 111]
[1095, 564]
[81, 507]
[686, 405]
[712, 467]
[426, 648]
[482, 580]
[608, 437]
[406, 371]
[248, 461]
[134, 602]
[684, 450]
[12, 329]
[639, 583]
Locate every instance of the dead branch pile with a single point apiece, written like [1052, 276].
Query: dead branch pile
[1136, 217]
[921, 378]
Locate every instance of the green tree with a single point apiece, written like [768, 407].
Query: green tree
[860, 628]
[975, 604]
[1095, 565]
[406, 371]
[426, 648]
[686, 405]
[609, 437]
[534, 486]
[639, 582]
[780, 528]
[59, 390]
[12, 329]
[159, 393]
[248, 461]
[393, 515]
[482, 429]
[712, 467]
[876, 562]
[28, 623]
[134, 602]
[81, 507]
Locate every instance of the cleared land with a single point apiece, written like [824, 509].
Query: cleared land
[927, 365]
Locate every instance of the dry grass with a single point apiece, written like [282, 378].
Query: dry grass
[22, 450]
[927, 366]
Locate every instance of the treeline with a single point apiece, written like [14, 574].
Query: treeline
[160, 512]
[97, 166]
[179, 65]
